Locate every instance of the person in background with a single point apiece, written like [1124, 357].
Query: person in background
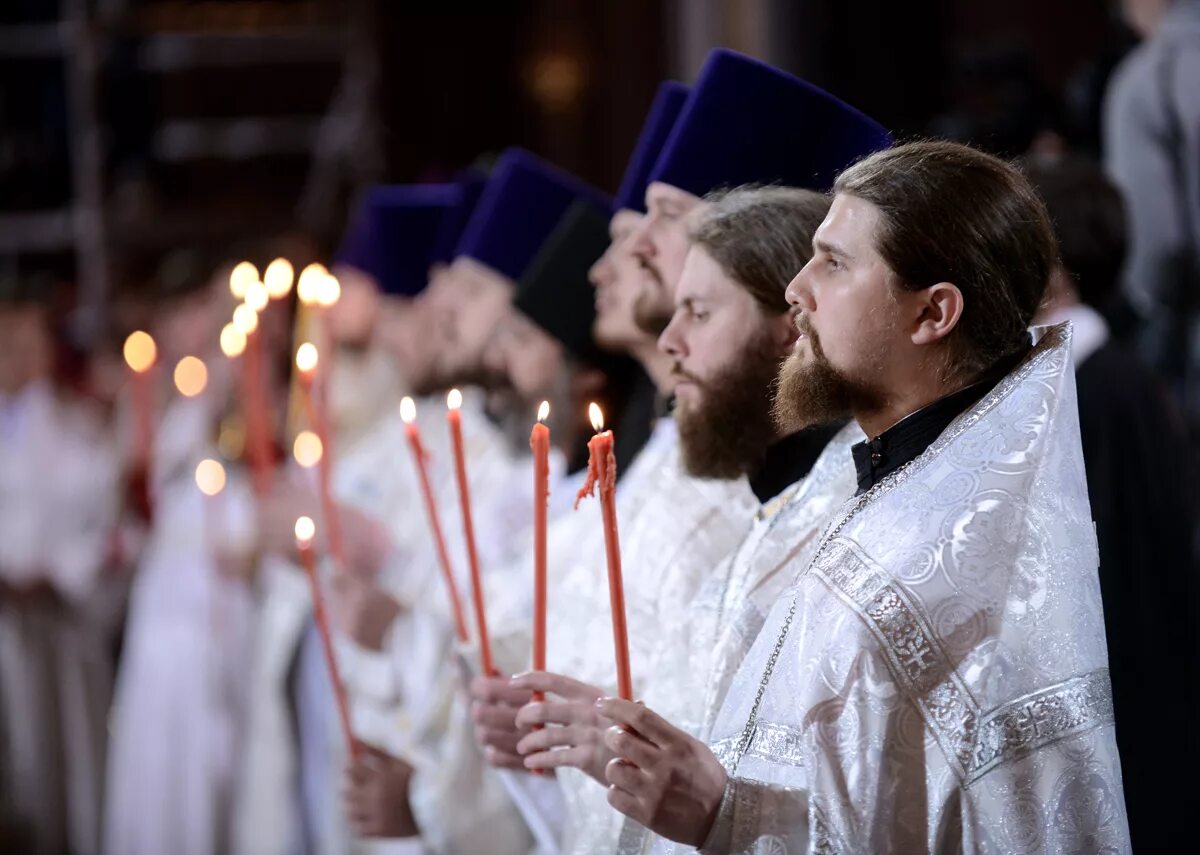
[1152, 153]
[1141, 487]
[59, 503]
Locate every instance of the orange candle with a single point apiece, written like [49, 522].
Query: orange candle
[305, 532]
[307, 359]
[408, 412]
[240, 338]
[140, 353]
[602, 470]
[539, 441]
[454, 418]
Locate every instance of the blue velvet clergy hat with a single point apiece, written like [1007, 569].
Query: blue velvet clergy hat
[749, 123]
[393, 235]
[468, 189]
[663, 112]
[523, 201]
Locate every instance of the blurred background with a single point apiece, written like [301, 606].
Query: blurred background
[134, 127]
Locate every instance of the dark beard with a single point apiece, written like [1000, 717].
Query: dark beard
[729, 432]
[815, 393]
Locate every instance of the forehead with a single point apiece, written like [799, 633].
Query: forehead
[850, 224]
[703, 278]
[659, 194]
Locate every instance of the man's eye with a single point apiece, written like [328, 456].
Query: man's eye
[834, 264]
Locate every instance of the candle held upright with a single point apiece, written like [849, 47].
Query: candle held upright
[602, 472]
[454, 419]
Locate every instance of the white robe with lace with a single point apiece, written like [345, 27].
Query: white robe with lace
[937, 680]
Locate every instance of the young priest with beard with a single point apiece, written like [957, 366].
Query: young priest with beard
[730, 331]
[937, 679]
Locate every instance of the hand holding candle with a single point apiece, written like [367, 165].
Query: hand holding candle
[306, 530]
[408, 412]
[602, 470]
[454, 419]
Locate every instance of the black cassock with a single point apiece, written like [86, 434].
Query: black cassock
[1142, 491]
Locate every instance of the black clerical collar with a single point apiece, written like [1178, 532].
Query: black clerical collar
[904, 441]
[788, 460]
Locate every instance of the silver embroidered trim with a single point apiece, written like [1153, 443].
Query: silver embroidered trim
[973, 742]
[1024, 725]
[910, 646]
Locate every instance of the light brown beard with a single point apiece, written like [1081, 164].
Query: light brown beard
[813, 392]
[729, 431]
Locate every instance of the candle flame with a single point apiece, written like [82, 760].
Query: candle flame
[140, 351]
[408, 410]
[543, 411]
[307, 449]
[307, 357]
[596, 415]
[454, 399]
[245, 319]
[308, 286]
[233, 341]
[191, 376]
[210, 476]
[278, 278]
[240, 278]
[306, 530]
[330, 291]
[257, 296]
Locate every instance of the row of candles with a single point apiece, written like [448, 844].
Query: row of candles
[317, 289]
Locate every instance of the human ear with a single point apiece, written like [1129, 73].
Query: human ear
[939, 308]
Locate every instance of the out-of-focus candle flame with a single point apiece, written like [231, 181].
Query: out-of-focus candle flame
[454, 399]
[257, 296]
[596, 415]
[233, 341]
[245, 319]
[408, 410]
[543, 411]
[330, 291]
[278, 278]
[307, 449]
[306, 530]
[191, 376]
[140, 351]
[308, 286]
[307, 358]
[210, 476]
[240, 278]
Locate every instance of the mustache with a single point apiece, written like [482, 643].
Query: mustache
[678, 373]
[653, 271]
[803, 325]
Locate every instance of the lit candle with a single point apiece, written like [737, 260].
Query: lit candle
[307, 359]
[306, 530]
[408, 412]
[240, 278]
[539, 441]
[239, 338]
[602, 470]
[454, 418]
[191, 376]
[140, 353]
[210, 479]
[278, 277]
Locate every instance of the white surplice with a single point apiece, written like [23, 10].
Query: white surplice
[180, 691]
[937, 678]
[58, 510]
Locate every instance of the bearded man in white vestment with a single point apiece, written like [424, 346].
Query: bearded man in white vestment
[936, 680]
